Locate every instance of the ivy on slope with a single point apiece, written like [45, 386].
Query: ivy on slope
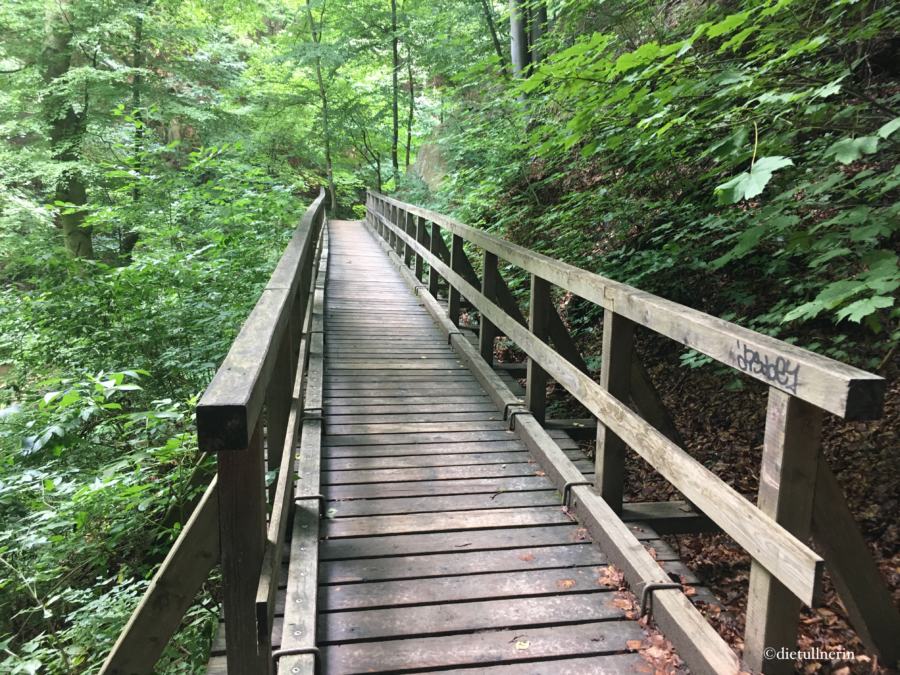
[744, 162]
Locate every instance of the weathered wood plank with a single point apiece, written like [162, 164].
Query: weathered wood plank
[434, 473]
[461, 563]
[539, 310]
[362, 463]
[487, 647]
[398, 505]
[423, 437]
[615, 375]
[431, 620]
[170, 593]
[787, 483]
[454, 542]
[242, 532]
[435, 487]
[338, 429]
[339, 412]
[337, 451]
[448, 521]
[466, 587]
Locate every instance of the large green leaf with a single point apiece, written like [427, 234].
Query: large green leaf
[849, 150]
[751, 183]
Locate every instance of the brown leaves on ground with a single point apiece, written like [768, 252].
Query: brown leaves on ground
[611, 577]
[657, 653]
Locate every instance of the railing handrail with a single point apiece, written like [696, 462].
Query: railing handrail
[844, 390]
[230, 406]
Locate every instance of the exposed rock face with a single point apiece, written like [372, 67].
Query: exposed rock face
[429, 165]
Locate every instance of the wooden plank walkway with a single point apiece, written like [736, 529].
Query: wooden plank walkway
[444, 547]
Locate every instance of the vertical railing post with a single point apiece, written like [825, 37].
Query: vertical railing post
[395, 220]
[454, 300]
[539, 309]
[487, 332]
[615, 375]
[392, 217]
[409, 229]
[420, 238]
[278, 404]
[242, 535]
[433, 248]
[787, 485]
[389, 208]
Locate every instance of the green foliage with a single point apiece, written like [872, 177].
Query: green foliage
[742, 161]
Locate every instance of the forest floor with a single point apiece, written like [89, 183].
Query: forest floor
[723, 429]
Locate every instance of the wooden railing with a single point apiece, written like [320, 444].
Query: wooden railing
[251, 416]
[802, 385]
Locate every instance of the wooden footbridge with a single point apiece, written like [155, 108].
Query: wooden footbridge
[424, 514]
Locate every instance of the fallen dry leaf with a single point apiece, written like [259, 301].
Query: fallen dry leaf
[634, 644]
[565, 583]
[527, 557]
[622, 603]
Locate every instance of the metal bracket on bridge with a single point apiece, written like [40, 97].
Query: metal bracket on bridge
[567, 489]
[647, 594]
[310, 414]
[299, 651]
[517, 404]
[451, 333]
[512, 416]
[321, 498]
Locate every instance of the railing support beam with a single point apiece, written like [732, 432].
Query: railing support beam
[487, 332]
[787, 484]
[539, 323]
[242, 533]
[456, 256]
[615, 377]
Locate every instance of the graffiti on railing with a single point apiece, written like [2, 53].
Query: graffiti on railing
[777, 371]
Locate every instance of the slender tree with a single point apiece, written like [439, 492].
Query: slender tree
[538, 17]
[67, 125]
[412, 104]
[130, 239]
[395, 94]
[316, 34]
[518, 39]
[488, 14]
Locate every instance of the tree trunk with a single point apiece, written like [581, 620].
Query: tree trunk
[538, 28]
[492, 29]
[518, 41]
[129, 241]
[395, 49]
[323, 99]
[326, 132]
[412, 105]
[66, 131]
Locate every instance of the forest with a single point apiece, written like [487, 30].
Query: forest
[736, 156]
